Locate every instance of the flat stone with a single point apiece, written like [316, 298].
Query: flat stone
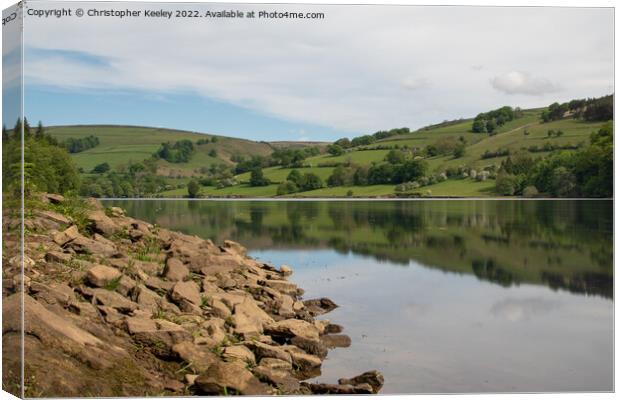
[333, 341]
[199, 358]
[56, 256]
[289, 328]
[239, 352]
[101, 275]
[274, 363]
[114, 300]
[185, 293]
[263, 350]
[69, 234]
[282, 286]
[372, 378]
[249, 319]
[279, 378]
[101, 223]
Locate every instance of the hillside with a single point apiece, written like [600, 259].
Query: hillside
[460, 158]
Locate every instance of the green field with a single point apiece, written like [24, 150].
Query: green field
[122, 144]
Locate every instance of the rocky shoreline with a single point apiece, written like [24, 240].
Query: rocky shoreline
[115, 306]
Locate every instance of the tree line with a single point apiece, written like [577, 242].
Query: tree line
[77, 145]
[591, 109]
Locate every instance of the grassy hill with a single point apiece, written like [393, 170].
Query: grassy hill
[122, 144]
[526, 133]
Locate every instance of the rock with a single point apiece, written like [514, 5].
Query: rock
[69, 234]
[320, 306]
[249, 319]
[263, 350]
[101, 275]
[303, 360]
[173, 385]
[54, 217]
[333, 328]
[16, 261]
[289, 328]
[158, 284]
[85, 245]
[219, 309]
[326, 388]
[321, 325]
[159, 335]
[222, 378]
[285, 287]
[298, 306]
[175, 270]
[101, 223]
[114, 300]
[58, 257]
[18, 279]
[286, 307]
[53, 293]
[54, 332]
[333, 341]
[372, 378]
[281, 379]
[125, 285]
[286, 270]
[313, 347]
[239, 352]
[274, 363]
[199, 358]
[186, 294]
[54, 198]
[190, 378]
[235, 247]
[117, 212]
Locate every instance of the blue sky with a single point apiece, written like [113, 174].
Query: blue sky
[177, 111]
[359, 70]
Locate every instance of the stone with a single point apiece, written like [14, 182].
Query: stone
[125, 285]
[286, 307]
[274, 363]
[199, 358]
[175, 270]
[173, 385]
[222, 378]
[85, 245]
[333, 328]
[286, 270]
[69, 234]
[310, 346]
[320, 306]
[54, 217]
[101, 275]
[327, 388]
[333, 341]
[239, 352]
[249, 319]
[58, 257]
[190, 378]
[101, 223]
[117, 212]
[16, 261]
[289, 328]
[372, 378]
[235, 247]
[282, 286]
[263, 350]
[54, 198]
[281, 379]
[52, 293]
[155, 283]
[186, 294]
[158, 334]
[114, 300]
[298, 306]
[301, 359]
[219, 309]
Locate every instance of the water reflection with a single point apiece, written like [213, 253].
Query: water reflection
[564, 245]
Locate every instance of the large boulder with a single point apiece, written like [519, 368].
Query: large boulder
[228, 378]
[69, 234]
[199, 358]
[239, 352]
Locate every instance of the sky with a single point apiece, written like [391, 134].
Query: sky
[358, 70]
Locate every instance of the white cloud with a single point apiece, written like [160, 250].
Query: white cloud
[347, 71]
[412, 83]
[517, 82]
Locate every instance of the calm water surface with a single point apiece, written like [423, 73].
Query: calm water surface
[441, 296]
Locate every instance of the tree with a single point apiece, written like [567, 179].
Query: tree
[562, 182]
[287, 187]
[395, 157]
[193, 188]
[213, 153]
[311, 181]
[459, 151]
[257, 178]
[101, 168]
[295, 177]
[335, 150]
[40, 132]
[505, 184]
